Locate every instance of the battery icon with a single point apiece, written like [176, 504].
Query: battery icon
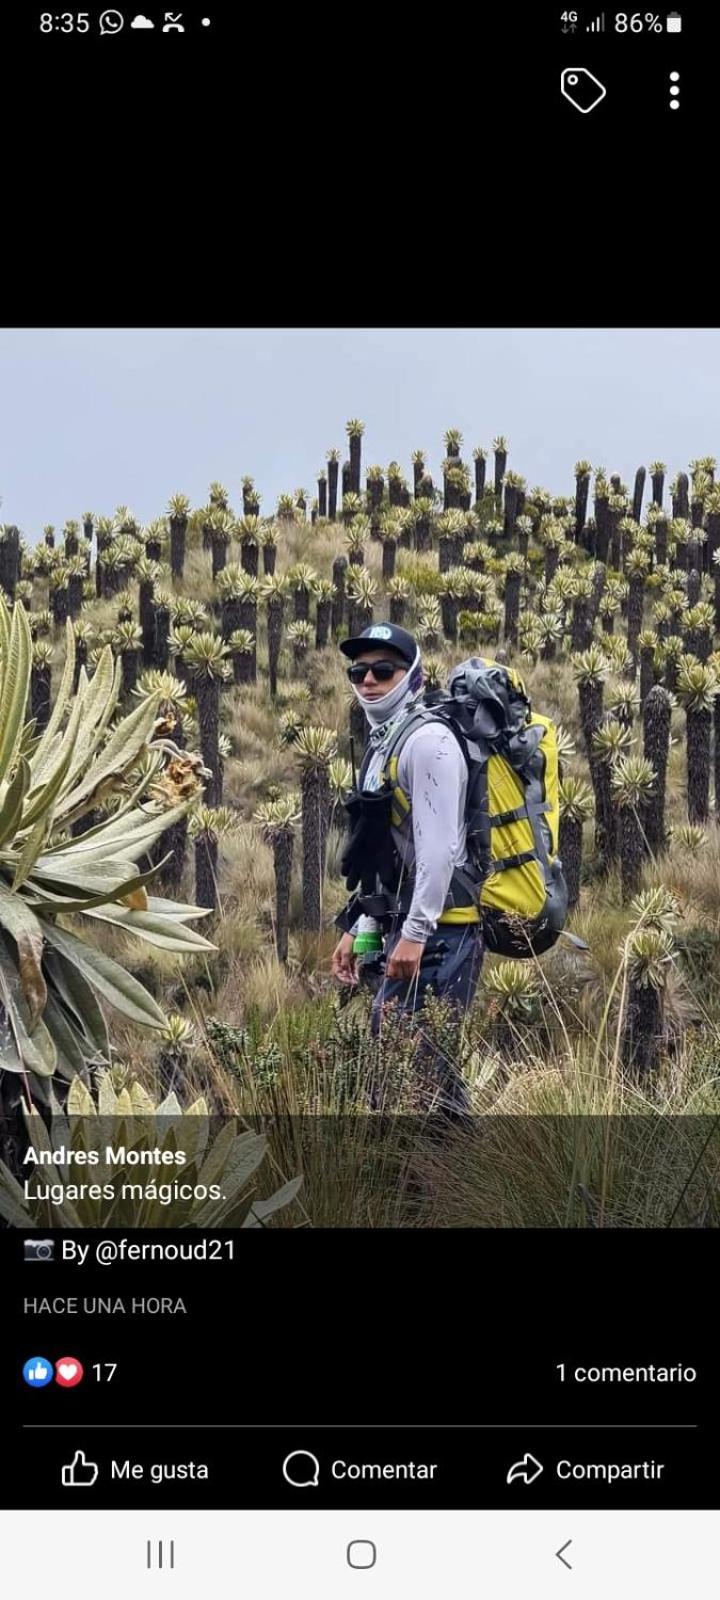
[673, 22]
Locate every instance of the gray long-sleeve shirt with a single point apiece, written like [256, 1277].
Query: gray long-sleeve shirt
[432, 771]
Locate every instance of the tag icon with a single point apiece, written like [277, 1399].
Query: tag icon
[582, 88]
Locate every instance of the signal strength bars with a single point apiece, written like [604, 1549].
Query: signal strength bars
[598, 26]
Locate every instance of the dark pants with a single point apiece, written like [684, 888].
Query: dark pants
[450, 968]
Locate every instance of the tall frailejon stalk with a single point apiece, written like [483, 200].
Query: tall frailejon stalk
[278, 820]
[583, 470]
[480, 458]
[71, 536]
[249, 532]
[374, 490]
[242, 647]
[76, 583]
[231, 589]
[269, 549]
[697, 688]
[610, 741]
[154, 539]
[41, 684]
[161, 608]
[581, 629]
[274, 593]
[315, 748]
[636, 569]
[500, 450]
[657, 478]
[84, 636]
[333, 461]
[301, 581]
[204, 829]
[590, 669]
[339, 571]
[322, 495]
[183, 777]
[638, 491]
[698, 631]
[398, 592]
[453, 588]
[576, 806]
[514, 487]
[299, 635]
[602, 517]
[222, 526]
[422, 523]
[633, 780]
[206, 656]
[363, 589]
[648, 955]
[355, 431]
[9, 559]
[324, 596]
[127, 643]
[148, 576]
[647, 649]
[418, 466]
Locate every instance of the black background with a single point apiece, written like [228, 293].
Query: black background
[378, 1346]
[381, 172]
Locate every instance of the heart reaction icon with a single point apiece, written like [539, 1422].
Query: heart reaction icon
[68, 1372]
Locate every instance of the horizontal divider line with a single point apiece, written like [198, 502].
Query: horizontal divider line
[347, 1427]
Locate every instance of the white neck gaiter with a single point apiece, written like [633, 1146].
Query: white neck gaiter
[387, 708]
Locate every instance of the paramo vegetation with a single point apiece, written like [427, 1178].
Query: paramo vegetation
[175, 727]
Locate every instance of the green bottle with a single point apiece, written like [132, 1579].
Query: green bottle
[367, 944]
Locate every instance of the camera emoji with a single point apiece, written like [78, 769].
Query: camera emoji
[39, 1249]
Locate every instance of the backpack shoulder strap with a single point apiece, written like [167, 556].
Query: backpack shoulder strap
[420, 717]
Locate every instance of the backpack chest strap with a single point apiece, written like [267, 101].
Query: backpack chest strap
[500, 819]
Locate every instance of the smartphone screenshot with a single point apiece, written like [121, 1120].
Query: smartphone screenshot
[359, 800]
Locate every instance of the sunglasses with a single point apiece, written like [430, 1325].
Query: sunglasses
[382, 671]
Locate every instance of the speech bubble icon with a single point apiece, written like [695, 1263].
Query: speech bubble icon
[302, 1469]
[111, 21]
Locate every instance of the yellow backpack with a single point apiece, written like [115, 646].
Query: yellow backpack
[512, 813]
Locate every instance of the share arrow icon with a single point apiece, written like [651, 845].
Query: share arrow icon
[526, 1470]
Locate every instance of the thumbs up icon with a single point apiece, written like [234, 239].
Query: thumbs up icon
[79, 1473]
[38, 1372]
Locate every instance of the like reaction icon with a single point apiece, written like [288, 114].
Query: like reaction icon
[38, 1372]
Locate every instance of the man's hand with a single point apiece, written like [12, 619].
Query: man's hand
[405, 959]
[344, 964]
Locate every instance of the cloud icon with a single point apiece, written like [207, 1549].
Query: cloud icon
[141, 22]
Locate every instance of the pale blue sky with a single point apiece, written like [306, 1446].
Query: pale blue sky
[93, 418]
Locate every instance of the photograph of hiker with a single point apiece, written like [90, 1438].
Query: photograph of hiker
[362, 835]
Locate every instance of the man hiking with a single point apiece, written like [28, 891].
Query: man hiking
[407, 847]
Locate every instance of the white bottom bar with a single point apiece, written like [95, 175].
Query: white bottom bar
[455, 1555]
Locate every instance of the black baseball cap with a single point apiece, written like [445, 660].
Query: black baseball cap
[382, 633]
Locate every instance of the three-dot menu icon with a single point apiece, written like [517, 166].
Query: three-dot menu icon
[674, 91]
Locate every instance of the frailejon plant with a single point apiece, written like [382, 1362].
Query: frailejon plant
[278, 820]
[633, 779]
[697, 688]
[52, 981]
[315, 748]
[576, 806]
